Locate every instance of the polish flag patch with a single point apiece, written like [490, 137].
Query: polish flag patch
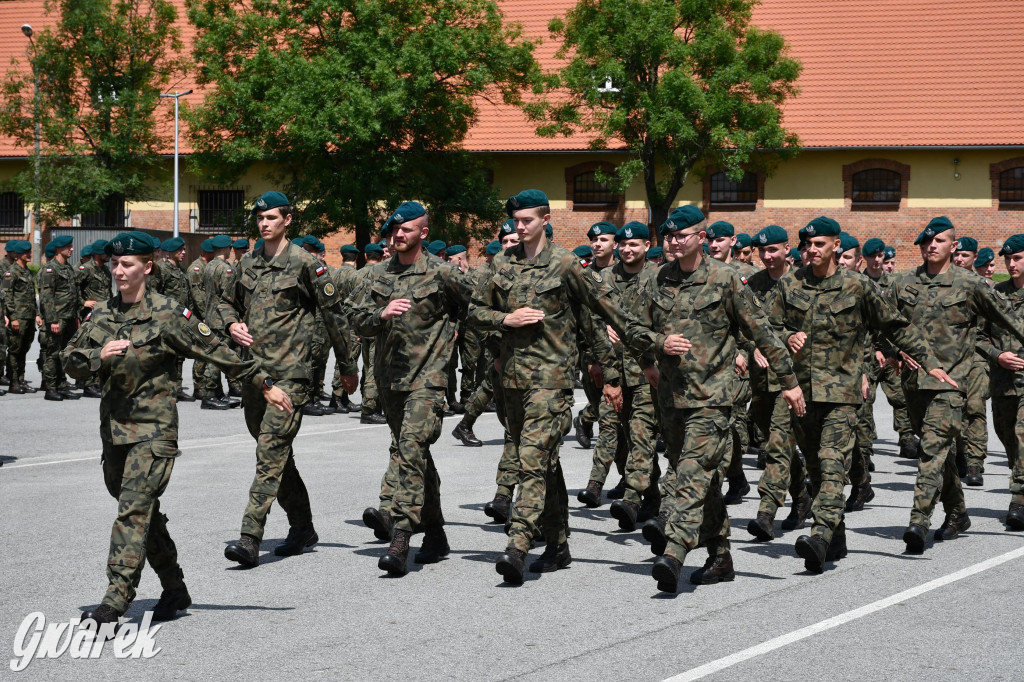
[187, 314]
[88, 317]
[321, 270]
[49, 269]
[196, 268]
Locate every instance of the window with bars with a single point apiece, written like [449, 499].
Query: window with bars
[111, 215]
[1011, 186]
[587, 191]
[727, 193]
[877, 187]
[221, 210]
[12, 213]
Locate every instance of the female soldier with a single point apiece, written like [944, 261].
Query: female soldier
[133, 341]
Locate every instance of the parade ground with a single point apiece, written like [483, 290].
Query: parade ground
[879, 614]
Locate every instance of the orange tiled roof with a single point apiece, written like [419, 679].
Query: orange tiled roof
[877, 73]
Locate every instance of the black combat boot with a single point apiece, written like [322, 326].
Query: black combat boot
[837, 547]
[379, 522]
[245, 550]
[762, 459]
[214, 404]
[650, 507]
[654, 532]
[182, 396]
[974, 477]
[812, 549]
[591, 495]
[372, 418]
[717, 569]
[914, 536]
[738, 487]
[464, 433]
[910, 447]
[395, 562]
[584, 432]
[859, 496]
[349, 406]
[555, 556]
[313, 409]
[618, 491]
[434, 548]
[1015, 517]
[68, 393]
[762, 527]
[625, 512]
[102, 615]
[951, 528]
[666, 571]
[297, 541]
[798, 513]
[172, 601]
[511, 565]
[498, 508]
[52, 395]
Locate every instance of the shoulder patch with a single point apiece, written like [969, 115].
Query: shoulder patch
[81, 267]
[203, 328]
[88, 317]
[321, 270]
[187, 314]
[329, 289]
[49, 269]
[196, 269]
[595, 274]
[743, 279]
[229, 271]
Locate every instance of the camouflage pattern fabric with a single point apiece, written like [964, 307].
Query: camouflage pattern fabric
[1007, 389]
[784, 470]
[1008, 420]
[827, 436]
[20, 299]
[973, 441]
[218, 276]
[937, 417]
[98, 283]
[59, 303]
[639, 434]
[609, 446]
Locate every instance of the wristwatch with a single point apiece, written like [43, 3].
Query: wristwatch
[268, 383]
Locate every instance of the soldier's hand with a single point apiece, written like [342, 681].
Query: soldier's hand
[794, 397]
[880, 357]
[89, 304]
[350, 382]
[395, 308]
[612, 335]
[653, 375]
[522, 317]
[909, 361]
[114, 348]
[864, 385]
[596, 375]
[240, 334]
[760, 359]
[55, 327]
[39, 322]
[797, 341]
[613, 396]
[278, 398]
[1010, 361]
[16, 325]
[941, 375]
[676, 344]
[741, 364]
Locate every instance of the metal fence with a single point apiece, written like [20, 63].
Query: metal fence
[87, 235]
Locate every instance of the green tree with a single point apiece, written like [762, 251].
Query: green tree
[683, 85]
[101, 70]
[356, 104]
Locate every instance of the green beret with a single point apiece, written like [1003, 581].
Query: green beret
[772, 234]
[681, 218]
[269, 200]
[134, 243]
[655, 252]
[549, 230]
[742, 241]
[967, 244]
[720, 229]
[508, 227]
[493, 248]
[528, 198]
[207, 245]
[584, 252]
[890, 253]
[309, 240]
[62, 241]
[1014, 244]
[99, 246]
[633, 230]
[349, 248]
[847, 242]
[706, 249]
[873, 246]
[822, 226]
[173, 244]
[257, 244]
[934, 227]
[50, 250]
[603, 227]
[796, 256]
[373, 248]
[86, 251]
[298, 241]
[436, 247]
[455, 249]
[241, 243]
[985, 256]
[220, 241]
[11, 245]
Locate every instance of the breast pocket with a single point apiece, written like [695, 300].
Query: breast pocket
[286, 293]
[547, 296]
[845, 318]
[955, 309]
[381, 293]
[147, 347]
[426, 300]
[709, 310]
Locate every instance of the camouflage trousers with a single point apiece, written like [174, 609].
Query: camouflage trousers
[477, 403]
[784, 470]
[860, 472]
[936, 417]
[892, 387]
[537, 420]
[972, 442]
[199, 376]
[739, 423]
[638, 431]
[276, 474]
[415, 419]
[1008, 420]
[610, 445]
[470, 350]
[53, 370]
[18, 343]
[698, 446]
[320, 353]
[827, 435]
[591, 412]
[136, 475]
[368, 378]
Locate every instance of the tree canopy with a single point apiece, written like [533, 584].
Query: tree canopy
[356, 105]
[683, 85]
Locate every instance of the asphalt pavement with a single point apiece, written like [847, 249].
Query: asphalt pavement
[949, 614]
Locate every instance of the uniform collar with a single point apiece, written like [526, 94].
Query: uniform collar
[943, 280]
[543, 258]
[279, 261]
[673, 272]
[418, 266]
[143, 312]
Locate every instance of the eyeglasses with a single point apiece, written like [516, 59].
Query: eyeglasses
[679, 236]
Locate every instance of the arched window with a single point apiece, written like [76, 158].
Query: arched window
[587, 190]
[12, 213]
[1011, 186]
[727, 193]
[877, 187]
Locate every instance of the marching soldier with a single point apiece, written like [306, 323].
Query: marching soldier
[22, 312]
[59, 302]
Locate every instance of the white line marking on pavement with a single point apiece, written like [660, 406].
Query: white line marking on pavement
[841, 619]
[190, 445]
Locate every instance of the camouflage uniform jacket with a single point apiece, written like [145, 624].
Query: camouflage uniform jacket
[20, 291]
[172, 282]
[762, 286]
[139, 387]
[194, 273]
[837, 313]
[542, 355]
[414, 348]
[98, 283]
[58, 293]
[710, 307]
[947, 308]
[218, 277]
[995, 341]
[626, 289]
[276, 299]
